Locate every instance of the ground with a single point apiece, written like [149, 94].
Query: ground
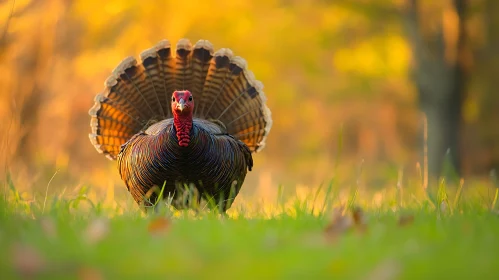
[318, 236]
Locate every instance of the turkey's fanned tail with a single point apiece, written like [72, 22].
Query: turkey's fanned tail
[137, 95]
[234, 97]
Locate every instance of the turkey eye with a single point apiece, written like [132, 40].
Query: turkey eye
[190, 98]
[173, 99]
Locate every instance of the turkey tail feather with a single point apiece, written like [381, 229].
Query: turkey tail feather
[166, 68]
[138, 94]
[234, 97]
[183, 70]
[201, 58]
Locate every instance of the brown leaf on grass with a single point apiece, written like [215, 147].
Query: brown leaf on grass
[89, 273]
[359, 219]
[27, 261]
[159, 225]
[48, 227]
[358, 215]
[444, 209]
[386, 270]
[97, 230]
[405, 220]
[339, 225]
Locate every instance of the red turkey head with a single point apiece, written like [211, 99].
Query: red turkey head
[182, 103]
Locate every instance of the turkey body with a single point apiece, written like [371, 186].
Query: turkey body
[214, 162]
[187, 118]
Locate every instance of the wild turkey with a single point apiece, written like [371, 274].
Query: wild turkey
[189, 118]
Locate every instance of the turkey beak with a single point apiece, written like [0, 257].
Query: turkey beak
[181, 104]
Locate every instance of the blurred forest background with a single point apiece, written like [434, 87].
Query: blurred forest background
[346, 82]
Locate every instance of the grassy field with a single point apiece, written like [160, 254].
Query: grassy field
[324, 235]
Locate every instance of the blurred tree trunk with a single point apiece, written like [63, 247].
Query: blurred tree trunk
[440, 78]
[485, 155]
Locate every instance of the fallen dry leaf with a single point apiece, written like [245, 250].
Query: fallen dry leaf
[352, 220]
[97, 230]
[444, 208]
[48, 227]
[339, 224]
[359, 219]
[386, 270]
[27, 261]
[358, 215]
[88, 273]
[405, 220]
[159, 225]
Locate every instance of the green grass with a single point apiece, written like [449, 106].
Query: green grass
[83, 239]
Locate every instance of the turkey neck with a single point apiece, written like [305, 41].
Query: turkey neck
[183, 126]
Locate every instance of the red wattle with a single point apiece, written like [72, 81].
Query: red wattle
[183, 125]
